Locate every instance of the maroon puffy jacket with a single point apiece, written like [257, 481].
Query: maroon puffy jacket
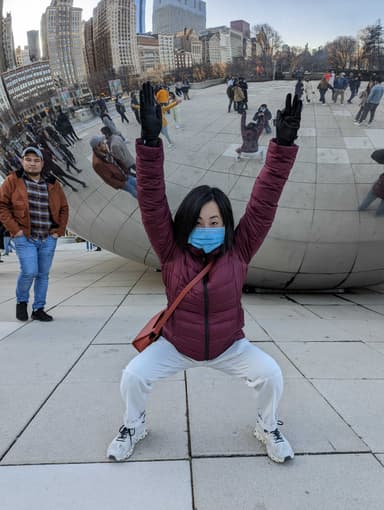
[210, 318]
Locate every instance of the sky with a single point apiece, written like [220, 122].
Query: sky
[297, 21]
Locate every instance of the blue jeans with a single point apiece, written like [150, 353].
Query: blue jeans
[8, 245]
[367, 202]
[130, 186]
[35, 258]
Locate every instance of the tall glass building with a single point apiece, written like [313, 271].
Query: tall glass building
[140, 16]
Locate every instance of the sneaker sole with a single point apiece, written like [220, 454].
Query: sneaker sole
[261, 437]
[119, 459]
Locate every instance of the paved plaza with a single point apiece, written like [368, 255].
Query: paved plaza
[59, 384]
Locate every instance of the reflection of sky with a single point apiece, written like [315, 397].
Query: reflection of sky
[297, 21]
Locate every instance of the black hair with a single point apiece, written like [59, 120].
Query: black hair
[188, 213]
[106, 131]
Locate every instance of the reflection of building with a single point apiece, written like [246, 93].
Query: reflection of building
[210, 47]
[171, 16]
[149, 55]
[89, 49]
[6, 113]
[188, 48]
[114, 37]
[61, 32]
[8, 44]
[33, 45]
[22, 56]
[29, 87]
[140, 16]
[231, 43]
[167, 52]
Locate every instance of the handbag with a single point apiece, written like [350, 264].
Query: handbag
[152, 330]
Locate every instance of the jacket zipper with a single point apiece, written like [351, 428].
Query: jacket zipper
[205, 282]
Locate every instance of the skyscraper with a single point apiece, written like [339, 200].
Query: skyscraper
[61, 30]
[114, 37]
[171, 16]
[33, 45]
[140, 16]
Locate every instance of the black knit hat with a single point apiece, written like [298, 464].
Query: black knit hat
[378, 156]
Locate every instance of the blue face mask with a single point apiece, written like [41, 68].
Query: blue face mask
[207, 239]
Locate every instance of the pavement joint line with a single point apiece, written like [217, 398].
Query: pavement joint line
[189, 438]
[195, 457]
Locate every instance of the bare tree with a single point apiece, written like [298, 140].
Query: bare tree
[341, 52]
[268, 41]
[372, 50]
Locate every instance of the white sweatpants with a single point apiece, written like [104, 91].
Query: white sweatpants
[242, 359]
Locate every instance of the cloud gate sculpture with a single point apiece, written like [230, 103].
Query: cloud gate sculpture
[319, 240]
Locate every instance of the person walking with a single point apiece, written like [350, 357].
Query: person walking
[135, 106]
[109, 169]
[35, 212]
[322, 87]
[230, 96]
[120, 108]
[354, 85]
[377, 190]
[185, 89]
[175, 111]
[308, 90]
[206, 328]
[373, 102]
[106, 119]
[363, 96]
[299, 88]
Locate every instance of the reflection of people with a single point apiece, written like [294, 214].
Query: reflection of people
[120, 108]
[119, 149]
[108, 122]
[266, 117]
[135, 106]
[373, 100]
[109, 169]
[377, 190]
[35, 212]
[250, 134]
[206, 327]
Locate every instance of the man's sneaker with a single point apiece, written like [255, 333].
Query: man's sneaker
[40, 315]
[21, 311]
[278, 448]
[124, 443]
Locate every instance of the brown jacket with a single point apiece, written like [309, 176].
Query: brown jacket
[110, 173]
[14, 205]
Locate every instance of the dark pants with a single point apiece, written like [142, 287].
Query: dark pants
[322, 95]
[371, 109]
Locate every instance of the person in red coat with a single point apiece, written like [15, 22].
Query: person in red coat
[377, 190]
[206, 329]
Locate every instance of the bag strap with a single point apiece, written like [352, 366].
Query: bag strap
[169, 311]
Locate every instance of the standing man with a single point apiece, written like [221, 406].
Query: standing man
[35, 212]
[339, 87]
[374, 98]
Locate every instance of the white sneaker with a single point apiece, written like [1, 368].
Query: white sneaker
[278, 448]
[124, 443]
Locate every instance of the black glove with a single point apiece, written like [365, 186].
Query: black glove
[288, 120]
[150, 116]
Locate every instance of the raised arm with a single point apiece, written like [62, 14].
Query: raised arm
[155, 213]
[261, 208]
